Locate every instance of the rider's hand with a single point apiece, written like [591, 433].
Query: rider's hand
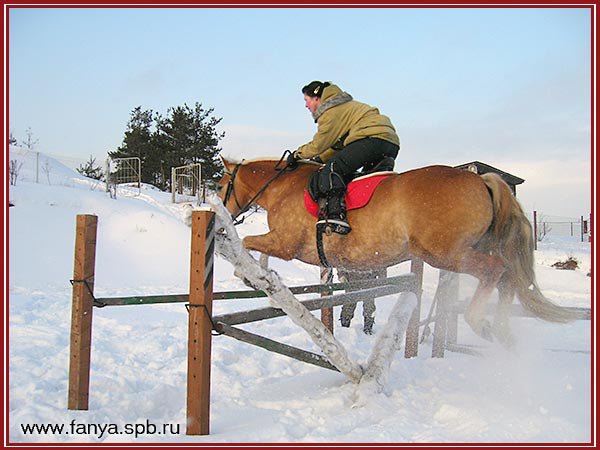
[292, 160]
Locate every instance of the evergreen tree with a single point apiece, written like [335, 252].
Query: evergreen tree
[140, 141]
[91, 170]
[184, 136]
[188, 136]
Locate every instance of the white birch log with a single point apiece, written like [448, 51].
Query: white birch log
[230, 246]
[389, 340]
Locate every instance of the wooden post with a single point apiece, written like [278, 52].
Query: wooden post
[445, 295]
[173, 174]
[535, 232]
[452, 331]
[412, 332]
[326, 313]
[200, 326]
[81, 312]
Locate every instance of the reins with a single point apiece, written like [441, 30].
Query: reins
[280, 171]
[231, 190]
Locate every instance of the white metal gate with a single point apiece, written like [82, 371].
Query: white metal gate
[186, 184]
[123, 171]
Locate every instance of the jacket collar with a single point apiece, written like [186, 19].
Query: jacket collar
[331, 99]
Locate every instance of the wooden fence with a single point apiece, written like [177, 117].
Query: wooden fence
[201, 322]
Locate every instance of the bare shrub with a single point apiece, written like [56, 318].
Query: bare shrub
[570, 264]
[13, 171]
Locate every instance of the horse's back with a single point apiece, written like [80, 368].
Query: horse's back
[433, 201]
[438, 187]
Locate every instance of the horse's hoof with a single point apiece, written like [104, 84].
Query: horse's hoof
[506, 339]
[486, 331]
[345, 322]
[483, 329]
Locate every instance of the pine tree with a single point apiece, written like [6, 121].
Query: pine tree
[140, 141]
[91, 170]
[184, 136]
[189, 136]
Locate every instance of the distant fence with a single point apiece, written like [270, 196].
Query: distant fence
[186, 184]
[545, 226]
[126, 171]
[39, 162]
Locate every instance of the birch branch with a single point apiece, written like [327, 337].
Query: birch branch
[389, 340]
[230, 246]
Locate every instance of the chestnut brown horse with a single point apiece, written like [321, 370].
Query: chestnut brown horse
[453, 219]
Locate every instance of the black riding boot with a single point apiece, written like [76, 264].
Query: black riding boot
[332, 216]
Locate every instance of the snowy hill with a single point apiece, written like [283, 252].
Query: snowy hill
[538, 393]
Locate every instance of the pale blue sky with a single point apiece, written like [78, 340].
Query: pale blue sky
[506, 86]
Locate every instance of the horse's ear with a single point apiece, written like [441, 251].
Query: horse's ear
[229, 165]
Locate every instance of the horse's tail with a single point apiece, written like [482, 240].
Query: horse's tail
[511, 237]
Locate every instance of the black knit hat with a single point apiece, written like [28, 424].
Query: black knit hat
[315, 88]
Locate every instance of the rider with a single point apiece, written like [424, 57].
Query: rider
[350, 135]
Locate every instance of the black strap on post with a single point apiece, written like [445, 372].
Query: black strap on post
[96, 302]
[213, 325]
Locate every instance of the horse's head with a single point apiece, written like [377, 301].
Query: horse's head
[233, 194]
[253, 182]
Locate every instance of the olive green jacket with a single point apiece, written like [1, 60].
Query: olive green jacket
[341, 121]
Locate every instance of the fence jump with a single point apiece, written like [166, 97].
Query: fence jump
[201, 322]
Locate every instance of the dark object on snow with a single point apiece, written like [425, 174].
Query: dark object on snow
[569, 264]
[10, 204]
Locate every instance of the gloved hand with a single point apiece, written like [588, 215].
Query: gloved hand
[292, 161]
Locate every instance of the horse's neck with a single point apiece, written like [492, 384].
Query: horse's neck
[287, 183]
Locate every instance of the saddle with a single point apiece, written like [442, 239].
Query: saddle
[358, 194]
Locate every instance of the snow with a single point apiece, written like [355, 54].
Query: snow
[540, 392]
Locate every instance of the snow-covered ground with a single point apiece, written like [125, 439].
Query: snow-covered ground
[541, 392]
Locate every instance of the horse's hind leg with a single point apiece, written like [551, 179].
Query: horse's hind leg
[506, 294]
[368, 303]
[368, 315]
[487, 269]
[348, 309]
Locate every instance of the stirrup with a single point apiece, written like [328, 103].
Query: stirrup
[333, 226]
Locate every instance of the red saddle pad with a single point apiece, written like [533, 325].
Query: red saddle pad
[358, 194]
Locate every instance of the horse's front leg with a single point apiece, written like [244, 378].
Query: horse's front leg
[273, 244]
[265, 244]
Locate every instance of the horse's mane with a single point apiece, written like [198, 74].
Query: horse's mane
[271, 159]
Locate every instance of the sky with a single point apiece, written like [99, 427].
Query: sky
[510, 87]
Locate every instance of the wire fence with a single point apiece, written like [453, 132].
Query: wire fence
[578, 228]
[40, 158]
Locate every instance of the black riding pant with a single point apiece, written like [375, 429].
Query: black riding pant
[332, 179]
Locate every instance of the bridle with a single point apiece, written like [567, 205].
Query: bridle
[231, 188]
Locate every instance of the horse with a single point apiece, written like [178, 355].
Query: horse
[452, 219]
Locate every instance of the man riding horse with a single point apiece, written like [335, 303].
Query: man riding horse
[350, 135]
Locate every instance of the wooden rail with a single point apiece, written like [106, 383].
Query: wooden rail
[200, 321]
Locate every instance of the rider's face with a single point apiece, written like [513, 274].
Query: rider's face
[312, 103]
